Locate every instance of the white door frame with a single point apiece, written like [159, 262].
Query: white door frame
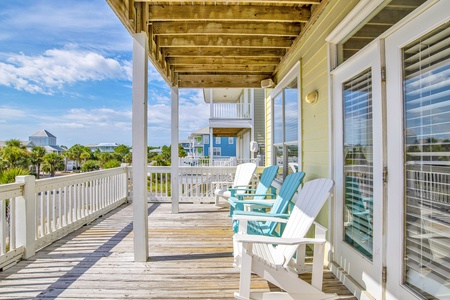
[433, 17]
[367, 273]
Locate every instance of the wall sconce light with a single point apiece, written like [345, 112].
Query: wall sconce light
[312, 97]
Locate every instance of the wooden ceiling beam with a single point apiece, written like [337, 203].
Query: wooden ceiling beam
[220, 81]
[226, 28]
[224, 41]
[228, 13]
[186, 61]
[253, 69]
[222, 52]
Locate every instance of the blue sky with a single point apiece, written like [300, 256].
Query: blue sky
[65, 66]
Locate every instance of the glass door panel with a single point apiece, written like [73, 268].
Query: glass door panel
[426, 84]
[358, 168]
[358, 163]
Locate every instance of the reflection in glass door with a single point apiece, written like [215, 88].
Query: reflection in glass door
[358, 163]
[426, 84]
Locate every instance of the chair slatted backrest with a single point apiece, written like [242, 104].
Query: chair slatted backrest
[244, 173]
[285, 195]
[267, 177]
[310, 201]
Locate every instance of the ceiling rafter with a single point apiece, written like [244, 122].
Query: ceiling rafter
[217, 43]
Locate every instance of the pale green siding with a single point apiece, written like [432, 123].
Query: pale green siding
[312, 52]
[259, 111]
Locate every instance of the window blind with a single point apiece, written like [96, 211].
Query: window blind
[426, 85]
[358, 163]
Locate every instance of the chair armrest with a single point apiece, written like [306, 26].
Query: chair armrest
[222, 182]
[266, 203]
[262, 239]
[253, 195]
[256, 216]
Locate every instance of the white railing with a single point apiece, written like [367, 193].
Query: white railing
[10, 248]
[203, 161]
[231, 111]
[35, 213]
[197, 184]
[218, 161]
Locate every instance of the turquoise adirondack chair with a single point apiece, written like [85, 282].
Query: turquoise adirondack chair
[260, 193]
[278, 208]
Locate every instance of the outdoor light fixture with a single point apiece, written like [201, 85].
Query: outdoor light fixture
[312, 97]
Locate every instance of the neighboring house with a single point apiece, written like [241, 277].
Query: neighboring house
[361, 95]
[187, 146]
[47, 140]
[201, 144]
[103, 147]
[232, 114]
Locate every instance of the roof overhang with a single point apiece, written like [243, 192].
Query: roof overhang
[221, 43]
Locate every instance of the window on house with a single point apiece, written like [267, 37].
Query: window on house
[217, 151]
[218, 139]
[206, 139]
[285, 125]
[230, 141]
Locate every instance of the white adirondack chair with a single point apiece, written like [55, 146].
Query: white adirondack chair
[242, 178]
[276, 264]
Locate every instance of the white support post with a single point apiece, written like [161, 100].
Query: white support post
[252, 115]
[139, 129]
[26, 216]
[211, 147]
[211, 104]
[174, 150]
[211, 115]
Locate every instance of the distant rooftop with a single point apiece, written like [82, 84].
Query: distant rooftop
[43, 133]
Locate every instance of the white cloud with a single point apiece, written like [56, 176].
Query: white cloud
[12, 113]
[51, 71]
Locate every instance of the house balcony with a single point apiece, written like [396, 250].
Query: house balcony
[230, 118]
[72, 237]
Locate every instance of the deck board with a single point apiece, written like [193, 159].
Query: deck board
[190, 258]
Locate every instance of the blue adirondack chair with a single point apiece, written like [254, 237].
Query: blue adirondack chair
[277, 209]
[260, 193]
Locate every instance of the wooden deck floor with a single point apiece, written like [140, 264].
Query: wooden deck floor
[190, 258]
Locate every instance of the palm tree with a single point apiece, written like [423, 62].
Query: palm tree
[75, 152]
[85, 155]
[37, 157]
[52, 163]
[103, 157]
[14, 154]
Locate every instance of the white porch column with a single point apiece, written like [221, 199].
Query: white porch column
[211, 115]
[211, 147]
[26, 214]
[139, 128]
[174, 149]
[252, 115]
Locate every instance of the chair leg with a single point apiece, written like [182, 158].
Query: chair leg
[317, 268]
[246, 272]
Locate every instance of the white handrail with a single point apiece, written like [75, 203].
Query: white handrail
[35, 213]
[231, 110]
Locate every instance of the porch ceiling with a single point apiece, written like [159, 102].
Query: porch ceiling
[221, 43]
